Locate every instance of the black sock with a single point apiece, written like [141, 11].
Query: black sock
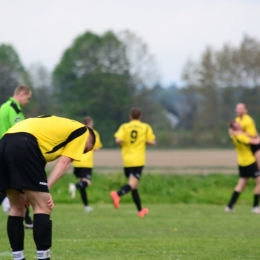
[81, 184]
[136, 199]
[27, 217]
[125, 189]
[233, 199]
[84, 196]
[42, 234]
[2, 196]
[15, 231]
[256, 200]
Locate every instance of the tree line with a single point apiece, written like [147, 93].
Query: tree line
[104, 76]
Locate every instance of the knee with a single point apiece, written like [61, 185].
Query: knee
[17, 210]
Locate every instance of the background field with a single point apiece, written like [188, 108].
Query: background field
[190, 161]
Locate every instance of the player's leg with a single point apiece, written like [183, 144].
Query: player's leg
[242, 182]
[28, 219]
[42, 228]
[134, 182]
[15, 229]
[115, 195]
[2, 196]
[256, 208]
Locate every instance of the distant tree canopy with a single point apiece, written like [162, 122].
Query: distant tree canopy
[215, 84]
[97, 76]
[12, 72]
[104, 76]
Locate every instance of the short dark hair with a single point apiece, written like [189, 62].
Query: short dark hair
[87, 120]
[22, 88]
[136, 113]
[92, 134]
[231, 124]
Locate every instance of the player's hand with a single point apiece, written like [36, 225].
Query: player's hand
[50, 203]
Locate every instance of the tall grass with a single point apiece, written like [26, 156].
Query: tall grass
[157, 188]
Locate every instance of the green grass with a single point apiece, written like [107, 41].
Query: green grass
[169, 231]
[160, 188]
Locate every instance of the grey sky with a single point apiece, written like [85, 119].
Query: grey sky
[174, 30]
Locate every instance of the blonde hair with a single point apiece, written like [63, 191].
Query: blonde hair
[22, 88]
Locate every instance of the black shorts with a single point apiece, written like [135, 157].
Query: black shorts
[22, 163]
[249, 171]
[83, 172]
[135, 171]
[255, 147]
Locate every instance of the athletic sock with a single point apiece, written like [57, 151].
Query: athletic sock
[233, 199]
[256, 200]
[84, 196]
[15, 231]
[81, 184]
[136, 199]
[125, 189]
[42, 234]
[27, 217]
[2, 196]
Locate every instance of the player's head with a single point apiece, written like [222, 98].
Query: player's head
[22, 94]
[235, 126]
[135, 114]
[241, 109]
[91, 140]
[88, 121]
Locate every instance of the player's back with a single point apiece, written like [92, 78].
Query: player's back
[134, 135]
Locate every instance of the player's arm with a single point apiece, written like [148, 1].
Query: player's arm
[153, 142]
[119, 136]
[119, 142]
[150, 136]
[59, 170]
[14, 118]
[242, 138]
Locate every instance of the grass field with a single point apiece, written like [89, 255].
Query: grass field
[169, 231]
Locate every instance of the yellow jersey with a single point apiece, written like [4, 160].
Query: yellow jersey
[134, 136]
[87, 159]
[248, 124]
[56, 136]
[245, 155]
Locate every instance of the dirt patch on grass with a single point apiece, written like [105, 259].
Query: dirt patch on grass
[195, 161]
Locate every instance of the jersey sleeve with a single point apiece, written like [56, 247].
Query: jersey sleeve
[98, 143]
[150, 135]
[120, 133]
[243, 138]
[75, 148]
[14, 118]
[250, 128]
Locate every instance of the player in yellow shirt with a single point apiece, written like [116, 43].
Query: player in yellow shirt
[24, 150]
[83, 168]
[248, 126]
[133, 138]
[246, 164]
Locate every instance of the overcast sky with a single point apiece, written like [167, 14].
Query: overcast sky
[174, 31]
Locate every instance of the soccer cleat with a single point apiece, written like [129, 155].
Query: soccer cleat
[88, 209]
[143, 212]
[28, 226]
[256, 210]
[115, 198]
[72, 190]
[228, 209]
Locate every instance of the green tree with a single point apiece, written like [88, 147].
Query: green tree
[92, 78]
[12, 72]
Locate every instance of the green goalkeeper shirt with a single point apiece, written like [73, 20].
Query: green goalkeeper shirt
[10, 114]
